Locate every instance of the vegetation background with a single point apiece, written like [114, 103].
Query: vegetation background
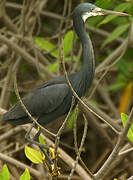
[30, 45]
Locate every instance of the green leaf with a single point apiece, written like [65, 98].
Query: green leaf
[68, 39]
[25, 175]
[70, 122]
[4, 173]
[42, 74]
[116, 86]
[53, 67]
[94, 20]
[33, 155]
[117, 32]
[122, 66]
[41, 140]
[23, 67]
[124, 118]
[46, 45]
[103, 4]
[14, 98]
[120, 8]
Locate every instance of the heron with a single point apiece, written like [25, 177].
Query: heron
[53, 98]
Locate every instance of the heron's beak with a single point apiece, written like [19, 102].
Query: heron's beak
[108, 12]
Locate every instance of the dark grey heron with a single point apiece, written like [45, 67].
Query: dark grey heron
[53, 98]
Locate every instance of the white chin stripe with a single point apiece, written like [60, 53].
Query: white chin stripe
[87, 15]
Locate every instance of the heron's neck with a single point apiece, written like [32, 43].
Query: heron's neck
[88, 55]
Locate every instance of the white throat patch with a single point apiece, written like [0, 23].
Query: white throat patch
[95, 13]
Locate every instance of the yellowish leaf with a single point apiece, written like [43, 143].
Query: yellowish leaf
[125, 98]
[25, 175]
[33, 155]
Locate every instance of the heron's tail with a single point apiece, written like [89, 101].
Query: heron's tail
[15, 122]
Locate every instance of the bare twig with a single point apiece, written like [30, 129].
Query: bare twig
[7, 83]
[126, 151]
[43, 13]
[105, 96]
[30, 59]
[10, 133]
[116, 150]
[78, 151]
[96, 125]
[131, 178]
[110, 59]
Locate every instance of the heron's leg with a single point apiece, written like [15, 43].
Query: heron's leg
[36, 137]
[27, 137]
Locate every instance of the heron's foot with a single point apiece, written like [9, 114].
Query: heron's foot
[50, 160]
[54, 172]
[53, 155]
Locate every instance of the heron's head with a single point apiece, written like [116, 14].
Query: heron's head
[86, 10]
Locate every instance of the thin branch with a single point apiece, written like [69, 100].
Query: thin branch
[9, 24]
[105, 96]
[102, 32]
[116, 150]
[96, 125]
[19, 50]
[43, 13]
[110, 59]
[11, 133]
[7, 83]
[131, 178]
[78, 151]
[126, 151]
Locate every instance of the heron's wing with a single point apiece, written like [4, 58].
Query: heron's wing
[41, 100]
[47, 99]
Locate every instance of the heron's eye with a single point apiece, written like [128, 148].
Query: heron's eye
[92, 9]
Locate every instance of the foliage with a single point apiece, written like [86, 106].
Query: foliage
[120, 8]
[71, 120]
[41, 140]
[33, 155]
[124, 82]
[47, 46]
[103, 4]
[25, 175]
[4, 173]
[124, 118]
[126, 98]
[50, 48]
[125, 75]
[116, 33]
